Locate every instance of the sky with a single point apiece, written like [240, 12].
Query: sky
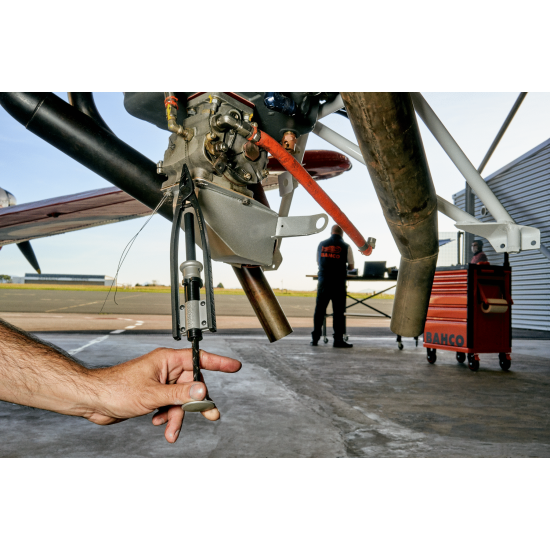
[33, 170]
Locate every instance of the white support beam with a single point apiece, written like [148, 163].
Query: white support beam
[512, 238]
[334, 138]
[497, 233]
[460, 160]
[331, 107]
[504, 234]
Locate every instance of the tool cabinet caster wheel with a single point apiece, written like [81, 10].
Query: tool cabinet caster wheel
[461, 357]
[400, 346]
[432, 356]
[325, 340]
[473, 363]
[505, 362]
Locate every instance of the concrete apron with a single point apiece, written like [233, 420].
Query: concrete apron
[291, 400]
[67, 322]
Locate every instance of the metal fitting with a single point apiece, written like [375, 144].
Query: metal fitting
[246, 202]
[222, 123]
[160, 169]
[251, 151]
[275, 101]
[192, 315]
[190, 269]
[371, 242]
[289, 141]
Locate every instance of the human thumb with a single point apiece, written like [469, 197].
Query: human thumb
[179, 394]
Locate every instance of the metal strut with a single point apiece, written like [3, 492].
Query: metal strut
[199, 315]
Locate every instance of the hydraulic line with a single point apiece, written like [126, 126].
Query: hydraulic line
[312, 187]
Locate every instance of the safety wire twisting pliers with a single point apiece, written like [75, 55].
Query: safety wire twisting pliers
[199, 315]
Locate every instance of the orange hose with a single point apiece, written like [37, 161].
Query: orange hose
[312, 187]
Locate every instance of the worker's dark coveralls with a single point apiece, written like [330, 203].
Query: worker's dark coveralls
[332, 256]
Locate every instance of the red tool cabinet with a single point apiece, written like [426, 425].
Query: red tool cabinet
[470, 312]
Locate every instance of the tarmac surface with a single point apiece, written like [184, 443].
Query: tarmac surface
[149, 303]
[290, 399]
[293, 400]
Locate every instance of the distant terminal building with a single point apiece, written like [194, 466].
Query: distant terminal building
[57, 279]
[523, 189]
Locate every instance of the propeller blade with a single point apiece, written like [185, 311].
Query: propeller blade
[28, 252]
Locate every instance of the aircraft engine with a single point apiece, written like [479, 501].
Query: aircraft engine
[207, 132]
[228, 168]
[6, 199]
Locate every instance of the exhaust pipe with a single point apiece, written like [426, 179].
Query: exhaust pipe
[264, 302]
[387, 132]
[77, 135]
[84, 102]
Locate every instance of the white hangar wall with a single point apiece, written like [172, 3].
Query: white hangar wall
[523, 188]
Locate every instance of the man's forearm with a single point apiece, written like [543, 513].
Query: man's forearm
[36, 374]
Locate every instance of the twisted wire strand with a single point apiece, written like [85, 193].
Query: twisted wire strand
[126, 251]
[196, 360]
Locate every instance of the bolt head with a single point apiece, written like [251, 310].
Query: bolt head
[502, 246]
[204, 323]
[533, 243]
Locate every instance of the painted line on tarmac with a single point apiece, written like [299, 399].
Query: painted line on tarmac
[70, 307]
[96, 341]
[103, 338]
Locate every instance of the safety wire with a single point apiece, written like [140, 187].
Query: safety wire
[126, 251]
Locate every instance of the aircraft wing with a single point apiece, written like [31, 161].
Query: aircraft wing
[69, 213]
[49, 217]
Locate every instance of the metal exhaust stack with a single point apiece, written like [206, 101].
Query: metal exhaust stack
[264, 302]
[80, 137]
[387, 132]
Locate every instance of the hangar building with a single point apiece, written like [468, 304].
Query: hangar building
[523, 188]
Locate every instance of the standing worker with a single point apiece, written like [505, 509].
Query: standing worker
[334, 257]
[477, 251]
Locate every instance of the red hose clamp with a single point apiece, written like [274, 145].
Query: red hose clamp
[255, 136]
[171, 100]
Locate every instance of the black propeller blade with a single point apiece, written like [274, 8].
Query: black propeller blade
[28, 252]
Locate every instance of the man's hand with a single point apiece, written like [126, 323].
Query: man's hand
[38, 374]
[162, 379]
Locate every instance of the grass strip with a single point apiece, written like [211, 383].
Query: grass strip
[166, 290]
